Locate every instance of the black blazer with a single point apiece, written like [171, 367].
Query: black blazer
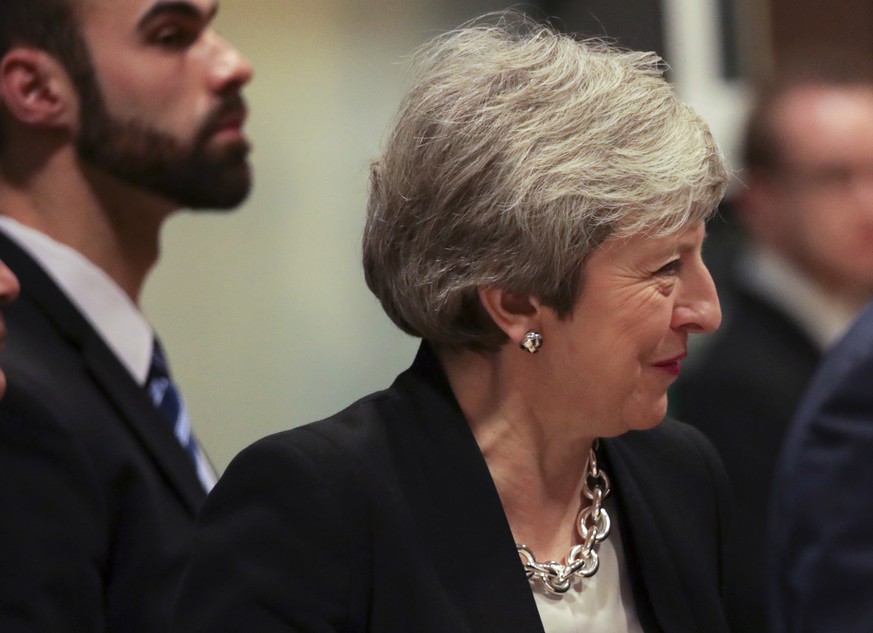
[97, 498]
[384, 519]
[821, 536]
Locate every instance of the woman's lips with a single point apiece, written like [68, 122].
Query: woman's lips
[671, 365]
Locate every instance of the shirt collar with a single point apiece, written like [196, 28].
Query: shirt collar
[822, 316]
[103, 303]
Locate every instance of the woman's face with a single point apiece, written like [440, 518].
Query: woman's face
[615, 355]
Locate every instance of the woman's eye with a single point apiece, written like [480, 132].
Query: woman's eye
[669, 269]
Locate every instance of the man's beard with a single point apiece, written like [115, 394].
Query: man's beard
[195, 176]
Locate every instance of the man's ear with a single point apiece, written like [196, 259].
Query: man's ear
[36, 89]
[515, 314]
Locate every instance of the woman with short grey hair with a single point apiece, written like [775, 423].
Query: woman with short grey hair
[537, 218]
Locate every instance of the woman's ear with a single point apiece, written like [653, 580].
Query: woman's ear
[515, 314]
[36, 89]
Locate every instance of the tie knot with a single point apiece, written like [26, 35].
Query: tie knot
[168, 401]
[158, 370]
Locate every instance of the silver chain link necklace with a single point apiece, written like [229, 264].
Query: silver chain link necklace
[593, 526]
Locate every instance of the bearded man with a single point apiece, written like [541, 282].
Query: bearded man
[114, 114]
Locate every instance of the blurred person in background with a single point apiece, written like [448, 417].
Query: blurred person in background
[113, 115]
[821, 536]
[537, 218]
[806, 270]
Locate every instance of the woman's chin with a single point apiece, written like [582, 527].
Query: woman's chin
[650, 418]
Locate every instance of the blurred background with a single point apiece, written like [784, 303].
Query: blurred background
[264, 312]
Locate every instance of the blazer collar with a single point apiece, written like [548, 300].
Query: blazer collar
[471, 542]
[469, 533]
[109, 375]
[659, 594]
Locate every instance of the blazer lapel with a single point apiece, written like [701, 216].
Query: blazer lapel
[109, 374]
[470, 539]
[646, 535]
[145, 421]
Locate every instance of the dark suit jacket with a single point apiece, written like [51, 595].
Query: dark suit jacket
[384, 518]
[741, 392]
[822, 530]
[97, 498]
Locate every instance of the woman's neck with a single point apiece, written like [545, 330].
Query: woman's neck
[537, 462]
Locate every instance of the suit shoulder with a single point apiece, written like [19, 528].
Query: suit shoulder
[334, 444]
[855, 349]
[346, 429]
[844, 375]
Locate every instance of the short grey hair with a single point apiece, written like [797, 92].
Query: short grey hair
[516, 152]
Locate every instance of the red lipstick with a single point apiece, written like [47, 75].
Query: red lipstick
[671, 365]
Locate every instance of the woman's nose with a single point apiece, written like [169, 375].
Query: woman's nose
[698, 310]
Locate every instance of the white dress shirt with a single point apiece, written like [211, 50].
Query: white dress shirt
[103, 303]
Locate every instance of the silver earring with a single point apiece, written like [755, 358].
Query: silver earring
[532, 342]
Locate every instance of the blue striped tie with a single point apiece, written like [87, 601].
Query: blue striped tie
[168, 401]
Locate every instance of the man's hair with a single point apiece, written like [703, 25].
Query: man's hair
[762, 144]
[516, 152]
[51, 26]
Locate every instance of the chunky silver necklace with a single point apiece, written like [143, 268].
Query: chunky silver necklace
[593, 525]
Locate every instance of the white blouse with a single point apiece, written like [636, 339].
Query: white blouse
[602, 603]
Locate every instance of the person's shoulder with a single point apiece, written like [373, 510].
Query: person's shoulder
[856, 346]
[336, 467]
[334, 445]
[352, 429]
[53, 390]
[59, 405]
[844, 373]
[37, 353]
